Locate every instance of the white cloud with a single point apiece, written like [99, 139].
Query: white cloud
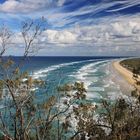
[125, 31]
[119, 35]
[60, 37]
[28, 6]
[126, 28]
[113, 33]
[60, 2]
[125, 4]
[9, 5]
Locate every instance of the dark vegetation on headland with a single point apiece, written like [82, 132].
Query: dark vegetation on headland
[73, 118]
[131, 64]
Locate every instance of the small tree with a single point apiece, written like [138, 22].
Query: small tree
[5, 35]
[16, 115]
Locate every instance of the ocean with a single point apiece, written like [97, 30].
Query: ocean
[95, 72]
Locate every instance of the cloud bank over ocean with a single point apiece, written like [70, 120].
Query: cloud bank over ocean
[81, 27]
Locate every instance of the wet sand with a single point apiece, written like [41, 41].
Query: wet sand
[125, 73]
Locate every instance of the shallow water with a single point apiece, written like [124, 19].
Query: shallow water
[101, 80]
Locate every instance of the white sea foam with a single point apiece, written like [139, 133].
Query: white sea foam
[114, 84]
[84, 74]
[116, 95]
[97, 84]
[96, 89]
[44, 72]
[89, 74]
[92, 95]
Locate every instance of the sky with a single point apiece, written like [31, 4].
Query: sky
[77, 27]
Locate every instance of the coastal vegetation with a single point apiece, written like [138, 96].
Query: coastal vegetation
[132, 64]
[67, 115]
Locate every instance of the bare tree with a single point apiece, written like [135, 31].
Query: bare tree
[5, 35]
[31, 30]
[18, 93]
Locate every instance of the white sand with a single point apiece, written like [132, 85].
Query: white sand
[125, 73]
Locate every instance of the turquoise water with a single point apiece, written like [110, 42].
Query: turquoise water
[95, 73]
[99, 78]
[101, 82]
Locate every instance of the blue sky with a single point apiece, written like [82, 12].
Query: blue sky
[78, 27]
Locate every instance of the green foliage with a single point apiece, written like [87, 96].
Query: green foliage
[132, 64]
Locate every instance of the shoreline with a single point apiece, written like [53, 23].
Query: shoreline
[126, 74]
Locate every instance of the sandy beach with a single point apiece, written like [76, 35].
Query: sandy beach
[125, 73]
